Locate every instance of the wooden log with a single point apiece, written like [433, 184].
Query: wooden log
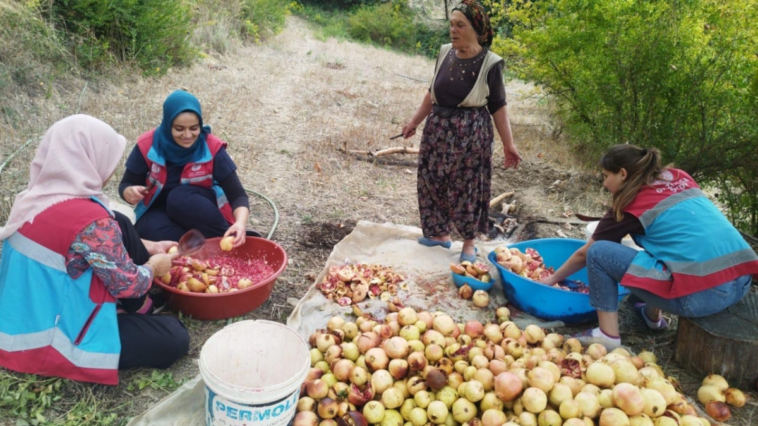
[495, 201]
[555, 221]
[725, 343]
[352, 151]
[387, 161]
[381, 152]
[395, 150]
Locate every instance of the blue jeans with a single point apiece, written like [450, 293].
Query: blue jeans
[607, 262]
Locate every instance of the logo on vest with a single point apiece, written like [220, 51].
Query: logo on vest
[674, 187]
[196, 167]
[155, 168]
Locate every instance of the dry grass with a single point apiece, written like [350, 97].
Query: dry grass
[285, 107]
[217, 24]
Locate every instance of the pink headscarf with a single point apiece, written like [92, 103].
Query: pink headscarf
[75, 158]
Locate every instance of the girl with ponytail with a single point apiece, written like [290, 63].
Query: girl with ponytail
[694, 262]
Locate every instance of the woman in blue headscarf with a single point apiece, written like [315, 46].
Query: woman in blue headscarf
[179, 177]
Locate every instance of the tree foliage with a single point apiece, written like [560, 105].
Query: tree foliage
[679, 75]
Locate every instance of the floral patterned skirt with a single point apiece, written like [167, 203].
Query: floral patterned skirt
[454, 171]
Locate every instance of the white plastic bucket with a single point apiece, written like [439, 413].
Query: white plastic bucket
[252, 372]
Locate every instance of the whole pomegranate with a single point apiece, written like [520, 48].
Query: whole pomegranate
[465, 292]
[481, 299]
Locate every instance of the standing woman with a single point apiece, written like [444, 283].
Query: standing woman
[180, 177]
[67, 260]
[455, 158]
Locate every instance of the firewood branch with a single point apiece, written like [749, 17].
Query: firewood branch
[381, 152]
[495, 201]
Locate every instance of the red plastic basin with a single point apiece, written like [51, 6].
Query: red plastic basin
[207, 306]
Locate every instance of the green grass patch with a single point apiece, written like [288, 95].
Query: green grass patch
[392, 25]
[157, 379]
[263, 18]
[330, 22]
[28, 399]
[31, 50]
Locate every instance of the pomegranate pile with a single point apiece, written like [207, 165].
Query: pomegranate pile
[478, 271]
[350, 284]
[219, 274]
[715, 394]
[573, 285]
[528, 264]
[421, 368]
[531, 266]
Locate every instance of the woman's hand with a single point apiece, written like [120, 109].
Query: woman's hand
[503, 125]
[239, 232]
[134, 194]
[159, 247]
[547, 281]
[409, 129]
[423, 111]
[161, 264]
[512, 157]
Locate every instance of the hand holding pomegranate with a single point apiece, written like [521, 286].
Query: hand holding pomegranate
[161, 263]
[159, 247]
[134, 194]
[238, 231]
[548, 281]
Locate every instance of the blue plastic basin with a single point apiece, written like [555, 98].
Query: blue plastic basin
[460, 280]
[544, 301]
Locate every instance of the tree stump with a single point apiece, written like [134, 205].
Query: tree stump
[725, 343]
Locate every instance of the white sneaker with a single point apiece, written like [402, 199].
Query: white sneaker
[594, 335]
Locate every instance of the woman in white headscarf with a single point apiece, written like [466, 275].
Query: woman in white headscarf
[66, 261]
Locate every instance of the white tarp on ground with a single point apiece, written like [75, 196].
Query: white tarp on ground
[426, 269]
[184, 407]
[430, 288]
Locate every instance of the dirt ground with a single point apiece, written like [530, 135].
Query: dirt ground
[286, 107]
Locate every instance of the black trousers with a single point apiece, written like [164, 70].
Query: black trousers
[186, 207]
[154, 341]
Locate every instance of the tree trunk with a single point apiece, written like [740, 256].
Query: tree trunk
[725, 343]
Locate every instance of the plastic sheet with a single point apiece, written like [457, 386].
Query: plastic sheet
[427, 270]
[184, 407]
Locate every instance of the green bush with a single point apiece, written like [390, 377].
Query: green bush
[264, 17]
[332, 23]
[222, 25]
[389, 24]
[430, 38]
[673, 74]
[343, 5]
[151, 33]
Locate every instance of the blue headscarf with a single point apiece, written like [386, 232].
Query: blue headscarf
[177, 103]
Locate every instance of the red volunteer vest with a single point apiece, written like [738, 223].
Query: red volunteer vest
[198, 174]
[67, 333]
